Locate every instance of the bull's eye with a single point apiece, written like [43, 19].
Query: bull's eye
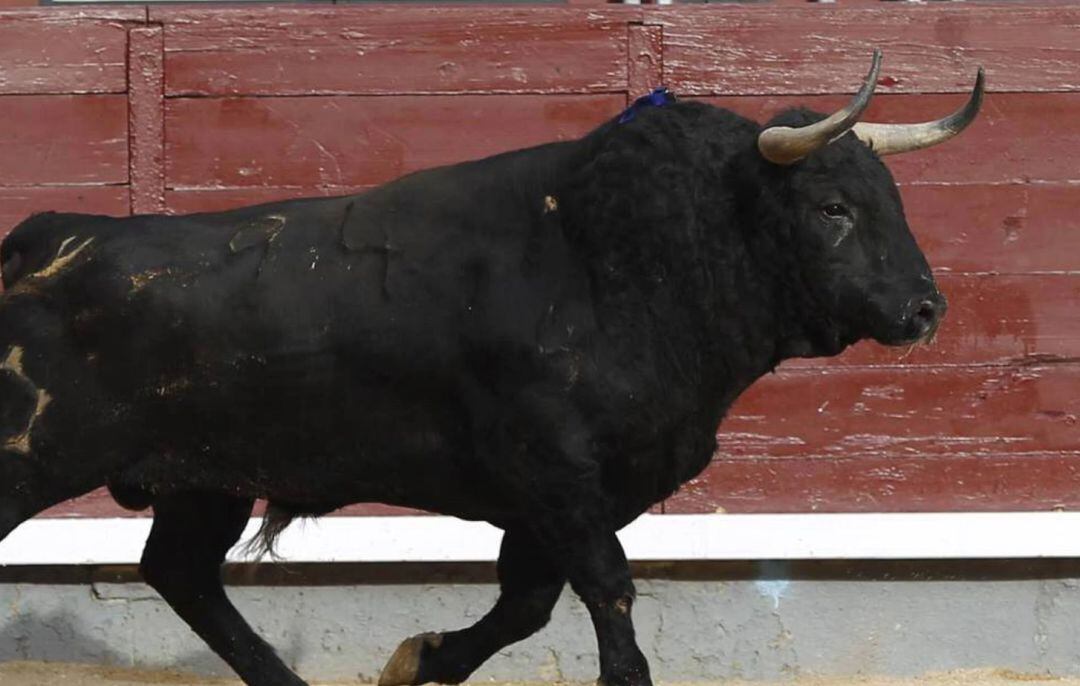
[835, 211]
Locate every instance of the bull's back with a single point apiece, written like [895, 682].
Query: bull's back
[398, 278]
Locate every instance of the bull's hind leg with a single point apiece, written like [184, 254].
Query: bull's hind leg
[182, 561]
[530, 585]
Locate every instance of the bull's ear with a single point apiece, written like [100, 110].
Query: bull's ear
[787, 145]
[889, 139]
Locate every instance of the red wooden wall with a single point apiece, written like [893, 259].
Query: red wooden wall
[177, 109]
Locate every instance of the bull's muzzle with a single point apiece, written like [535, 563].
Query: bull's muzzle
[922, 318]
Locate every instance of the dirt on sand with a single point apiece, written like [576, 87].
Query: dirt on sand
[60, 674]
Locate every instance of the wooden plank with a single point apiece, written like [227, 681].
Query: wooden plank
[217, 199]
[1007, 229]
[1004, 147]
[998, 438]
[1007, 144]
[63, 139]
[991, 320]
[357, 141]
[393, 50]
[88, 13]
[645, 59]
[1016, 409]
[94, 504]
[16, 204]
[891, 483]
[64, 50]
[146, 121]
[833, 484]
[975, 438]
[826, 49]
[100, 504]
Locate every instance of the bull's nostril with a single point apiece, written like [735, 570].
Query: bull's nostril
[927, 311]
[924, 318]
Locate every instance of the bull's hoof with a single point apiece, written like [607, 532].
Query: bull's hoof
[403, 668]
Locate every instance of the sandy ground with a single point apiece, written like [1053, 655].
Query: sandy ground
[54, 674]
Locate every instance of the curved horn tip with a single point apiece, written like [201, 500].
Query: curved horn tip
[870, 82]
[785, 145]
[878, 55]
[974, 104]
[875, 66]
[889, 139]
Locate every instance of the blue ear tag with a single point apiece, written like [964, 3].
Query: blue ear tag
[658, 98]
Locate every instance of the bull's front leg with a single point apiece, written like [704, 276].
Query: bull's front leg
[599, 573]
[542, 450]
[530, 585]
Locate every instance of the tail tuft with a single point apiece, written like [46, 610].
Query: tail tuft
[274, 523]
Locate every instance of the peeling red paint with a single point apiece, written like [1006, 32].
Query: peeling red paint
[120, 109]
[394, 50]
[63, 139]
[146, 119]
[341, 141]
[769, 49]
[64, 50]
[645, 59]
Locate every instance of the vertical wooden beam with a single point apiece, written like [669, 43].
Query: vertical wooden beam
[644, 71]
[645, 58]
[146, 119]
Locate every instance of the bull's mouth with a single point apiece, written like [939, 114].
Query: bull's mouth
[912, 341]
[918, 323]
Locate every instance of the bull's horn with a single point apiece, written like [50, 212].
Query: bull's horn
[786, 145]
[888, 139]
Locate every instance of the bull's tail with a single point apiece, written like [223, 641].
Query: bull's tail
[278, 517]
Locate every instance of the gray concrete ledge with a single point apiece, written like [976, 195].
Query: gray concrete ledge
[761, 621]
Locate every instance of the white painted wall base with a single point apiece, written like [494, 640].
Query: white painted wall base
[961, 535]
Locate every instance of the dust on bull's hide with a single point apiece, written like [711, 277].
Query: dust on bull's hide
[142, 279]
[63, 260]
[261, 231]
[25, 403]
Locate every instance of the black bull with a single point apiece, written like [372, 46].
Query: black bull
[545, 340]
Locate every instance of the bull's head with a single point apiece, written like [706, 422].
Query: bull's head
[861, 264]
